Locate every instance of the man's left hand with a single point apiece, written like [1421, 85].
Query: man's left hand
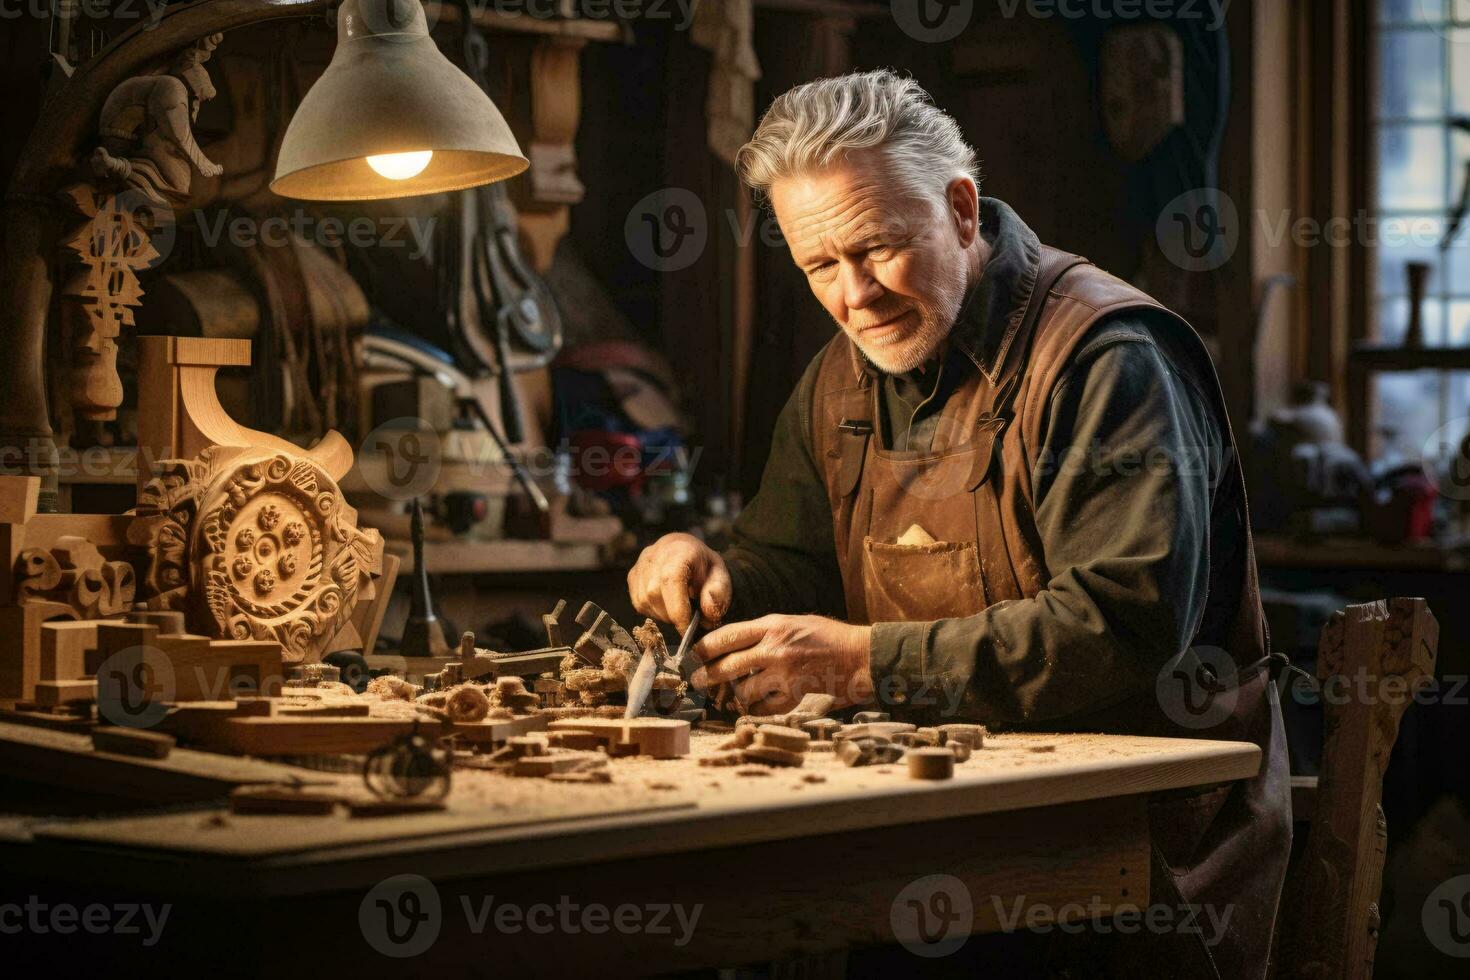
[774, 660]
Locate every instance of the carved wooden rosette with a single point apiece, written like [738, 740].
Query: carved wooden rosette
[256, 545]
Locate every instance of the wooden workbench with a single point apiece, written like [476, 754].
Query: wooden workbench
[784, 863]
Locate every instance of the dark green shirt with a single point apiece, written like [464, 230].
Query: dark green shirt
[1131, 454]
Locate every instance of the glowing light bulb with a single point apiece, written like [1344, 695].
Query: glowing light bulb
[401, 166]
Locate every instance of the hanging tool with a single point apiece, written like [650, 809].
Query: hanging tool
[398, 350]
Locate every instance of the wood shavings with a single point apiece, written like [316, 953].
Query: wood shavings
[391, 688]
[467, 703]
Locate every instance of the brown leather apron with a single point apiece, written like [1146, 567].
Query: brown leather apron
[1225, 847]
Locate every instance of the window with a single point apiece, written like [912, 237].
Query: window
[1423, 87]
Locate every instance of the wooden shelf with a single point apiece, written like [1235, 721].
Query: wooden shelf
[509, 556]
[1411, 358]
[1280, 551]
[488, 19]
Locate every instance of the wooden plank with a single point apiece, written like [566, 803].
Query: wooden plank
[69, 761]
[285, 736]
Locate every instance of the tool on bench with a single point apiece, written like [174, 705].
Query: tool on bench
[642, 683]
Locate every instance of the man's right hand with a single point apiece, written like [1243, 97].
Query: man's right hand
[672, 569]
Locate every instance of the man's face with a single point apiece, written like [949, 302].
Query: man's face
[888, 263]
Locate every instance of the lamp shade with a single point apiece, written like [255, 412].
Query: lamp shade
[392, 117]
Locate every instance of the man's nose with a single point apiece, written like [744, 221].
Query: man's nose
[859, 289]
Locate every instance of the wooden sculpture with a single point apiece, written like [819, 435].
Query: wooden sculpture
[73, 572]
[255, 544]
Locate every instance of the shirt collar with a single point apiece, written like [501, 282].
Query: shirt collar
[994, 307]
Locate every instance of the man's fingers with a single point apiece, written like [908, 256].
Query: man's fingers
[714, 598]
[675, 593]
[767, 685]
[726, 639]
[734, 666]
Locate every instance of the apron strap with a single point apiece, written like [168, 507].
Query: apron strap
[997, 411]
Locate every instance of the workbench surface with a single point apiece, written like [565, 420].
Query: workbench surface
[496, 823]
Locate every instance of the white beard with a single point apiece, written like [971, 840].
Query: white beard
[905, 352]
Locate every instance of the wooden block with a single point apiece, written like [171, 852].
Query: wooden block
[18, 498]
[52, 693]
[209, 670]
[64, 648]
[770, 755]
[283, 800]
[930, 763]
[580, 740]
[114, 638]
[661, 738]
[132, 741]
[778, 737]
[20, 651]
[347, 709]
[884, 730]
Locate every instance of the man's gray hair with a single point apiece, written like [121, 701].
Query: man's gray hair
[814, 125]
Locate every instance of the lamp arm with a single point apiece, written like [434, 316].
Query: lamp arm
[32, 223]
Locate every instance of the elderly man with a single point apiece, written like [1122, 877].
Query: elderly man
[1005, 492]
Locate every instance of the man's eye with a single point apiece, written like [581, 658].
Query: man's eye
[881, 251]
[821, 270]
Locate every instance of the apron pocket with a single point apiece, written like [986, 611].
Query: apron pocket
[920, 582]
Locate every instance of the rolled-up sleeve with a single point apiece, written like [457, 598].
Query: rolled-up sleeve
[1123, 488]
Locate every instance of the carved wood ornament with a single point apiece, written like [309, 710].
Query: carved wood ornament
[74, 573]
[255, 545]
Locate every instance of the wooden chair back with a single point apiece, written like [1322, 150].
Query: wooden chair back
[1371, 660]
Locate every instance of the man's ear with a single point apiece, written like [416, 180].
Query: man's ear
[962, 198]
